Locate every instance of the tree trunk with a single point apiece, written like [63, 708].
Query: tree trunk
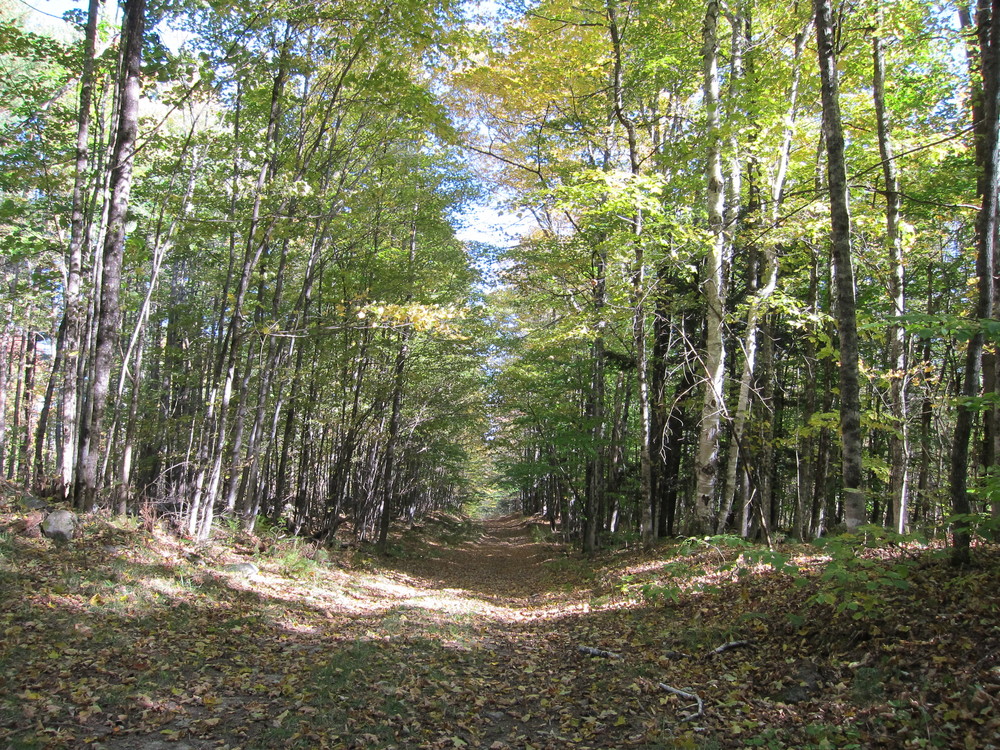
[638, 287]
[398, 380]
[707, 458]
[899, 451]
[109, 313]
[847, 328]
[69, 341]
[595, 414]
[988, 156]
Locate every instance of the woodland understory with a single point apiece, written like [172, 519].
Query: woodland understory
[489, 634]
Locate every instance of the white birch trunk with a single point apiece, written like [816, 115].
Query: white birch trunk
[707, 455]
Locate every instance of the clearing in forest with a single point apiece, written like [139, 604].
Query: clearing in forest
[481, 635]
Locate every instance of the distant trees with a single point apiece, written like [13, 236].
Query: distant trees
[825, 328]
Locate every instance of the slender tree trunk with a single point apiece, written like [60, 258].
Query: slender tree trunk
[68, 355]
[810, 510]
[677, 424]
[769, 275]
[398, 381]
[898, 442]
[638, 285]
[595, 414]
[257, 239]
[123, 489]
[15, 449]
[707, 458]
[109, 315]
[41, 427]
[24, 448]
[847, 328]
[988, 157]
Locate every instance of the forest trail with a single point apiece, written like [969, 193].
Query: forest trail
[466, 636]
[469, 635]
[506, 559]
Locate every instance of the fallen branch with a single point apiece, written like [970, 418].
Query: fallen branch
[990, 656]
[731, 645]
[689, 696]
[590, 651]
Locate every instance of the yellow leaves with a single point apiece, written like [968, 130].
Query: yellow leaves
[438, 319]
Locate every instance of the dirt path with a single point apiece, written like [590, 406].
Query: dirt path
[507, 561]
[467, 637]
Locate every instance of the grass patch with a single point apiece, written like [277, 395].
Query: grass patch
[336, 674]
[342, 700]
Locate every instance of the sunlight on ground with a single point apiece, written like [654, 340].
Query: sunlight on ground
[376, 595]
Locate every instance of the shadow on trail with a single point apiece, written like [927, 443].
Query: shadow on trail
[459, 641]
[116, 651]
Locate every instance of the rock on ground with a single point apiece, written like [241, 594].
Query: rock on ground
[60, 525]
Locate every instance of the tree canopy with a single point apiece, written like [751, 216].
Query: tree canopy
[757, 293]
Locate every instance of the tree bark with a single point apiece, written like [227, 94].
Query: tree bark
[707, 457]
[109, 312]
[69, 342]
[390, 470]
[847, 328]
[899, 484]
[638, 286]
[595, 414]
[988, 157]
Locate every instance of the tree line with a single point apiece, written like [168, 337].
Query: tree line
[758, 297]
[232, 282]
[760, 292]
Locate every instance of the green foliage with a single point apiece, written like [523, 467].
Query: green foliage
[660, 594]
[855, 584]
[780, 562]
[542, 533]
[6, 547]
[718, 542]
[293, 561]
[981, 525]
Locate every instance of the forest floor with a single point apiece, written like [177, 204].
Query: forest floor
[475, 634]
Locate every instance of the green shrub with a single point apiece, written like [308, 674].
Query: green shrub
[855, 584]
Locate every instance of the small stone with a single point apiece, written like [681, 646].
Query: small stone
[243, 568]
[806, 682]
[32, 503]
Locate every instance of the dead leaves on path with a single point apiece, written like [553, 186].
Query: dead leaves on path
[471, 638]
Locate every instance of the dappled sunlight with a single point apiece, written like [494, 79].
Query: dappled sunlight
[497, 641]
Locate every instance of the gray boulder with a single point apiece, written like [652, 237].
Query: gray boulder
[243, 568]
[60, 525]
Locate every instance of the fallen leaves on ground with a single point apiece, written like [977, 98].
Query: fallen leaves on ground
[470, 636]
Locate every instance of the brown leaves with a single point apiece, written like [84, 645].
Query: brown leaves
[475, 643]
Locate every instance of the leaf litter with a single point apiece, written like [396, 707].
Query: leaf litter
[485, 635]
